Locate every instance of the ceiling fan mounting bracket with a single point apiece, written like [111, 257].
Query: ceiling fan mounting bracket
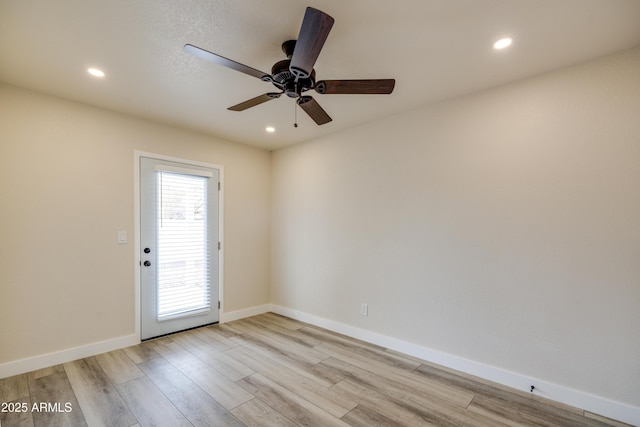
[321, 87]
[303, 100]
[299, 73]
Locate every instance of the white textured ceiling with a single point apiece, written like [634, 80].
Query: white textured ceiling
[435, 49]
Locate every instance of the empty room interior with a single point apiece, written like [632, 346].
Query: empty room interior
[419, 213]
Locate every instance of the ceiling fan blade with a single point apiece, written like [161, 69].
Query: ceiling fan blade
[225, 62]
[255, 101]
[380, 86]
[313, 109]
[315, 28]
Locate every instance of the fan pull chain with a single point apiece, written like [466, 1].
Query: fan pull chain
[295, 114]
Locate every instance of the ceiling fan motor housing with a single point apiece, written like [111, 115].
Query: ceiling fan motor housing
[283, 79]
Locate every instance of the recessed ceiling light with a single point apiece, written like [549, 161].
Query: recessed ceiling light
[503, 43]
[95, 72]
[270, 129]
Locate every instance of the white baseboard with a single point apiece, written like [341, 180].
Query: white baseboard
[247, 312]
[29, 364]
[588, 402]
[49, 359]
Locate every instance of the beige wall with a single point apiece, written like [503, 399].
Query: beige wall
[66, 188]
[502, 227]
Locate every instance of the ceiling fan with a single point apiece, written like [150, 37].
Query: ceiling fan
[295, 75]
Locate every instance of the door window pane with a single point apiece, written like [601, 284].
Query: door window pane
[183, 276]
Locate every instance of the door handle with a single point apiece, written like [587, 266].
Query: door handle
[147, 263]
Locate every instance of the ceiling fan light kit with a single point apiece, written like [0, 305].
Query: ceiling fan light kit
[295, 75]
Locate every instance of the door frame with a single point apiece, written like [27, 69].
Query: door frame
[136, 227]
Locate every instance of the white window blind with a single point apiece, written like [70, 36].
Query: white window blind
[183, 252]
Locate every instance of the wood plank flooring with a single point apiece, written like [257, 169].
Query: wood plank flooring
[268, 370]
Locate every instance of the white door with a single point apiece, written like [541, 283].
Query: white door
[178, 246]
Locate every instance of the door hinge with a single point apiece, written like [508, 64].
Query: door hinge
[219, 245]
[219, 186]
[218, 305]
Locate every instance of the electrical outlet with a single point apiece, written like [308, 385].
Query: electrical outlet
[364, 309]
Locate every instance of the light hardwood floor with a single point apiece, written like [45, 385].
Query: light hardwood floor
[268, 370]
